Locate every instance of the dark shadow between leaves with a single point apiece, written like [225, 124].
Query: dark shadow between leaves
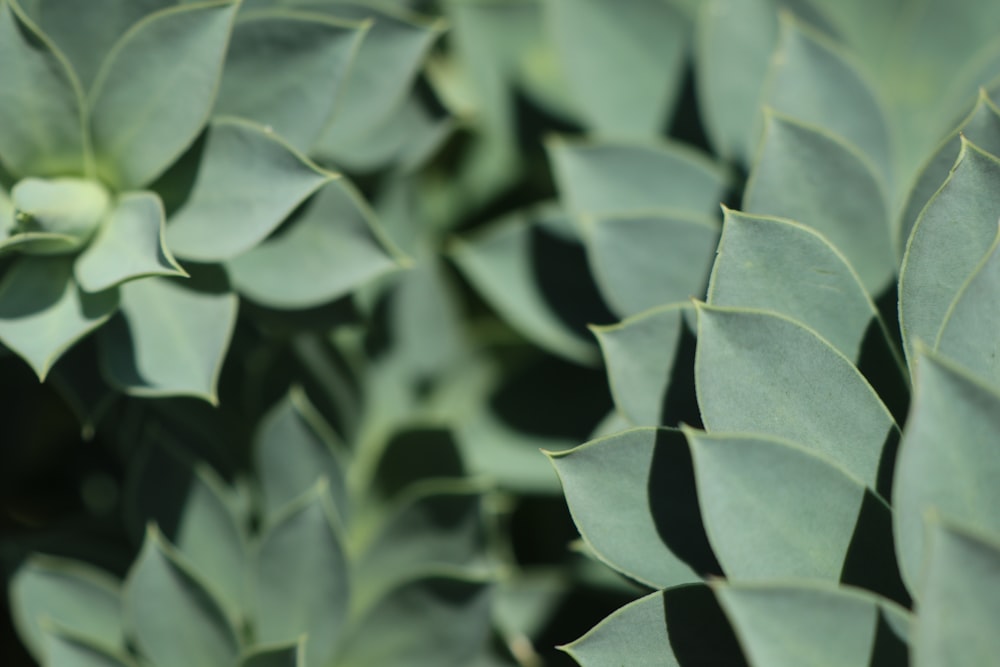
[680, 405]
[673, 500]
[888, 648]
[415, 455]
[698, 630]
[870, 562]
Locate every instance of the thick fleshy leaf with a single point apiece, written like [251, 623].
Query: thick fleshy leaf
[948, 460]
[301, 580]
[624, 61]
[293, 450]
[67, 650]
[779, 265]
[172, 336]
[72, 595]
[284, 69]
[631, 505]
[643, 261]
[762, 373]
[156, 88]
[43, 312]
[433, 621]
[195, 511]
[775, 510]
[816, 179]
[165, 601]
[968, 333]
[959, 600]
[639, 354]
[677, 627]
[55, 216]
[815, 624]
[981, 127]
[382, 72]
[284, 656]
[129, 245]
[505, 264]
[602, 178]
[248, 182]
[950, 238]
[813, 81]
[42, 109]
[331, 248]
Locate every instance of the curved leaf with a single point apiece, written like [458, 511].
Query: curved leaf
[42, 106]
[66, 650]
[129, 245]
[761, 373]
[43, 312]
[164, 601]
[156, 88]
[948, 459]
[247, 183]
[817, 180]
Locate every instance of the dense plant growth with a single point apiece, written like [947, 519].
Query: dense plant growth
[310, 284]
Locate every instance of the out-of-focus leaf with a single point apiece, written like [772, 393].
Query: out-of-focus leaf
[285, 656]
[156, 88]
[67, 650]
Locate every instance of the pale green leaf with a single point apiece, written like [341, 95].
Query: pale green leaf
[69, 209]
[948, 459]
[172, 336]
[950, 238]
[625, 492]
[43, 312]
[129, 245]
[624, 61]
[247, 183]
[165, 601]
[814, 178]
[70, 594]
[815, 625]
[640, 354]
[602, 178]
[959, 600]
[66, 650]
[156, 88]
[331, 248]
[300, 578]
[774, 510]
[762, 373]
[41, 105]
[284, 70]
[645, 260]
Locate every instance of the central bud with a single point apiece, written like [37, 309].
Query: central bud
[56, 216]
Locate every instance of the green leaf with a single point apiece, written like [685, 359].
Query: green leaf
[68, 209]
[164, 601]
[247, 183]
[624, 61]
[817, 180]
[643, 261]
[129, 245]
[70, 594]
[292, 655]
[293, 450]
[285, 69]
[382, 73]
[815, 624]
[43, 312]
[812, 80]
[42, 112]
[193, 508]
[621, 499]
[950, 238]
[301, 578]
[433, 621]
[947, 460]
[775, 510]
[172, 336]
[959, 600]
[762, 373]
[331, 248]
[156, 88]
[605, 178]
[66, 650]
[640, 354]
[779, 265]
